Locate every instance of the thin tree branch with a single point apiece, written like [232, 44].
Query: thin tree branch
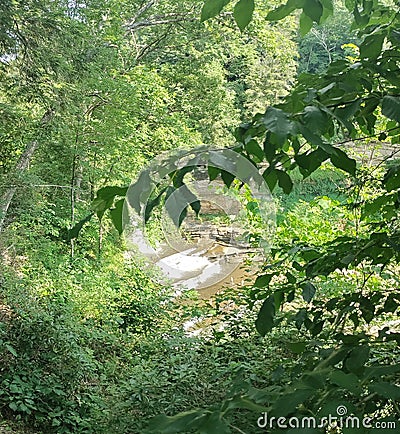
[150, 47]
[132, 27]
[22, 165]
[143, 9]
[37, 185]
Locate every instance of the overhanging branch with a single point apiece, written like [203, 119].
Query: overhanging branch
[159, 20]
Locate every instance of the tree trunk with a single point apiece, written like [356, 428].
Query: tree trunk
[23, 163]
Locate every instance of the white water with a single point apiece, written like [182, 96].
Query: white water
[197, 267]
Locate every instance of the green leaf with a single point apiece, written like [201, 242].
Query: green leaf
[357, 358]
[220, 160]
[139, 191]
[284, 10]
[313, 9]
[263, 281]
[315, 379]
[346, 381]
[211, 8]
[361, 20]
[311, 137]
[290, 296]
[305, 24]
[213, 172]
[330, 406]
[278, 122]
[271, 178]
[227, 177]
[74, 231]
[117, 215]
[105, 198]
[308, 291]
[387, 390]
[391, 107]
[311, 161]
[289, 401]
[391, 304]
[314, 118]
[290, 277]
[284, 181]
[367, 308]
[269, 148]
[111, 191]
[13, 405]
[253, 148]
[278, 299]
[11, 349]
[328, 10]
[178, 423]
[297, 347]
[342, 161]
[177, 179]
[317, 327]
[253, 207]
[196, 207]
[151, 204]
[244, 402]
[378, 371]
[391, 179]
[300, 317]
[265, 318]
[371, 47]
[348, 111]
[214, 424]
[243, 13]
[348, 259]
[177, 201]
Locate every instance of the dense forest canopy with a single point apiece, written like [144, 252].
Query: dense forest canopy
[91, 91]
[109, 85]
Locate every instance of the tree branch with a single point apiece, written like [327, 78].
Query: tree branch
[143, 9]
[159, 20]
[21, 166]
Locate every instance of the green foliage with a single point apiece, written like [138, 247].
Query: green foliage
[340, 350]
[66, 326]
[317, 11]
[212, 8]
[43, 378]
[94, 73]
[242, 13]
[91, 343]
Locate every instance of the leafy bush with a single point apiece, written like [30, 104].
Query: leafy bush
[48, 366]
[69, 333]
